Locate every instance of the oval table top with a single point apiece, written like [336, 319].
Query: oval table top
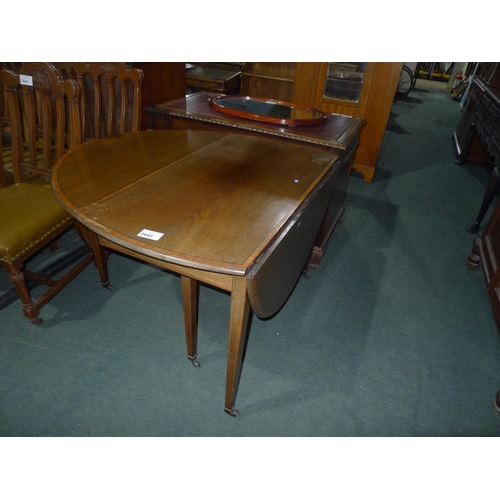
[218, 200]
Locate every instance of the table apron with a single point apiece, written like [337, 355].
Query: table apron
[223, 281]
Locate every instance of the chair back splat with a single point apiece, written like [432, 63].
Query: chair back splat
[3, 174]
[111, 98]
[44, 114]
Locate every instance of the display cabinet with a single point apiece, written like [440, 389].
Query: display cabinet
[362, 90]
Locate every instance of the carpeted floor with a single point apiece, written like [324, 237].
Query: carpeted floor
[392, 336]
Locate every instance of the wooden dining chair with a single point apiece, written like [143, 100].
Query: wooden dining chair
[44, 115]
[111, 98]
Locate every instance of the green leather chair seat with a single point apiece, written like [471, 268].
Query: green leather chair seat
[27, 210]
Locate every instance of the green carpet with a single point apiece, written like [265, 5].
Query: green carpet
[392, 336]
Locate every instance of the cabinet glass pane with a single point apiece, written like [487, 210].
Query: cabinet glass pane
[344, 81]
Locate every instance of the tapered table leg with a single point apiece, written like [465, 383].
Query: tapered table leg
[99, 254]
[190, 301]
[238, 327]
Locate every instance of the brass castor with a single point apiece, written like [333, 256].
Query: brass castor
[233, 412]
[473, 228]
[194, 361]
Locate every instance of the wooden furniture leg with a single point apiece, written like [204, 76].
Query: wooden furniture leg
[18, 275]
[190, 301]
[491, 189]
[99, 252]
[474, 259]
[30, 308]
[238, 328]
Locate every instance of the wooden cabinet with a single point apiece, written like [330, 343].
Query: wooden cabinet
[369, 93]
[477, 136]
[467, 142]
[360, 90]
[213, 77]
[269, 79]
[162, 81]
[290, 81]
[486, 251]
[483, 94]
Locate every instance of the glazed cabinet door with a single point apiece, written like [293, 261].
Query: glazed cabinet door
[344, 88]
[361, 90]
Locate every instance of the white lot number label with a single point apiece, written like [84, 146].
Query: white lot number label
[150, 235]
[26, 80]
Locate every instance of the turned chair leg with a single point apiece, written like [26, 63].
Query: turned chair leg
[30, 308]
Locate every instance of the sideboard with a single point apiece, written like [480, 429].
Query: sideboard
[486, 251]
[477, 137]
